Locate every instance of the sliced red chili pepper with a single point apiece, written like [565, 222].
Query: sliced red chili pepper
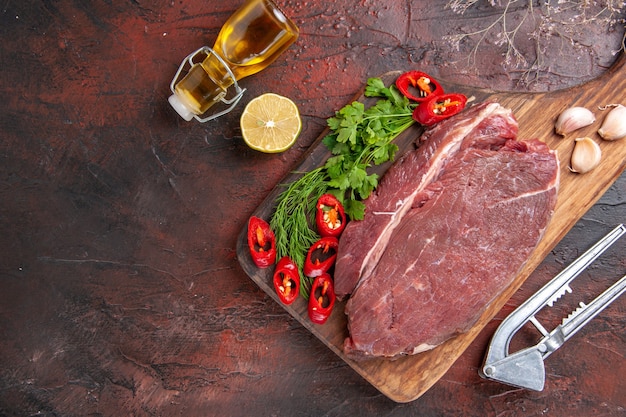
[330, 216]
[425, 85]
[321, 299]
[262, 242]
[438, 108]
[321, 256]
[287, 280]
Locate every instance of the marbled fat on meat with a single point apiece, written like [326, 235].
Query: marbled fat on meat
[463, 240]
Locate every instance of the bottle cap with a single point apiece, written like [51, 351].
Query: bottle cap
[180, 108]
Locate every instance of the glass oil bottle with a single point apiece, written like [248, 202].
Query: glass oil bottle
[250, 40]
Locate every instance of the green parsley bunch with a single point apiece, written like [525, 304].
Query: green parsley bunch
[359, 138]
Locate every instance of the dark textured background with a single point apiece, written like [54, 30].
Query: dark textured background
[120, 289]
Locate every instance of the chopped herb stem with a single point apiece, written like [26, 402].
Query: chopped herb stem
[359, 138]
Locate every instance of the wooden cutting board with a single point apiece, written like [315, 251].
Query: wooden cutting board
[407, 379]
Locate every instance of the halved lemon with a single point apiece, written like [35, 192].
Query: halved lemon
[270, 123]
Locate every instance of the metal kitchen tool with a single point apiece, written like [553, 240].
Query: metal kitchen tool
[525, 368]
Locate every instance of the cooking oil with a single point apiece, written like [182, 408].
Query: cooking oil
[252, 38]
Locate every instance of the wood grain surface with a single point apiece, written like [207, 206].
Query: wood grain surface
[408, 378]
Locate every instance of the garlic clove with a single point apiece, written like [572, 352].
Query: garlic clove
[585, 156]
[614, 124]
[572, 119]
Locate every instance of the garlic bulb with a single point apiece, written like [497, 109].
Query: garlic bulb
[614, 124]
[572, 119]
[586, 155]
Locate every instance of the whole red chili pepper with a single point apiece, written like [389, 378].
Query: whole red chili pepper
[438, 108]
[262, 242]
[425, 85]
[330, 216]
[321, 299]
[287, 280]
[321, 256]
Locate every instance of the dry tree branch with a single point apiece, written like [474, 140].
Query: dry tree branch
[552, 19]
[499, 29]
